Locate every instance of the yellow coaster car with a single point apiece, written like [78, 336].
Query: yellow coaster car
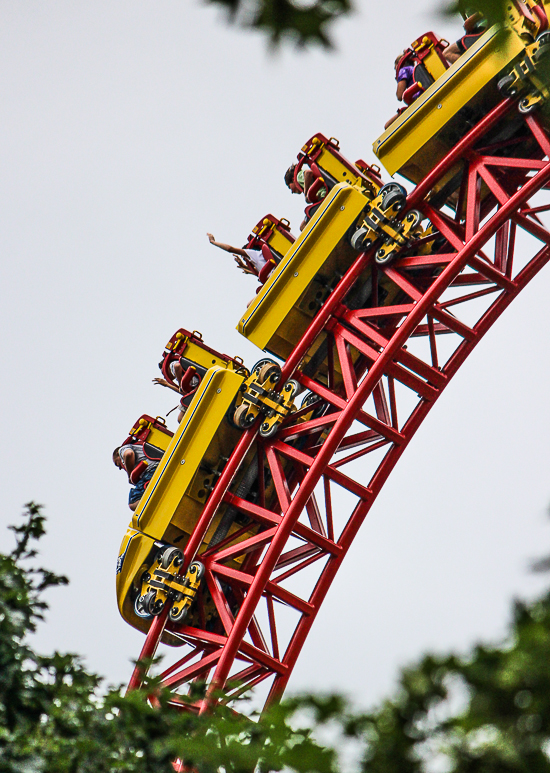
[282, 310]
[227, 400]
[188, 351]
[353, 215]
[274, 233]
[285, 305]
[323, 157]
[273, 238]
[153, 436]
[176, 494]
[502, 62]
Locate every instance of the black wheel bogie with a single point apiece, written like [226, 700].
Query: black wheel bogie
[505, 86]
[358, 241]
[392, 188]
[394, 200]
[526, 108]
[140, 607]
[384, 256]
[243, 418]
[171, 556]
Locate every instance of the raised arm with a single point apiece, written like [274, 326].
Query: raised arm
[165, 383]
[242, 265]
[226, 247]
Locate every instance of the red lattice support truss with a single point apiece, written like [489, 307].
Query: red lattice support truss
[395, 361]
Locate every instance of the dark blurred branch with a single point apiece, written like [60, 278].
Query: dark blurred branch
[493, 10]
[301, 22]
[307, 22]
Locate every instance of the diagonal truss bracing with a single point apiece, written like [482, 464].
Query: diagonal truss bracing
[393, 361]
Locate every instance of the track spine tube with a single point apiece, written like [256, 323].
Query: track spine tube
[347, 417]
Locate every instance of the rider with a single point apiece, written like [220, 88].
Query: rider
[249, 260]
[127, 458]
[177, 372]
[405, 78]
[474, 26]
[301, 182]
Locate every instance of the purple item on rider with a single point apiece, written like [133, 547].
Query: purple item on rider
[406, 74]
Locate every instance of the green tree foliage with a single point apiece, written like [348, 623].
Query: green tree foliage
[56, 717]
[302, 22]
[485, 713]
[493, 10]
[308, 23]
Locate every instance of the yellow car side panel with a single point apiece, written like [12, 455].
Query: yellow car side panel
[434, 65]
[157, 438]
[276, 303]
[203, 357]
[335, 168]
[132, 561]
[279, 243]
[133, 553]
[413, 144]
[160, 505]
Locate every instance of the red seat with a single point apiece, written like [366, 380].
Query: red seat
[535, 15]
[542, 17]
[183, 343]
[313, 154]
[314, 191]
[137, 472]
[140, 435]
[265, 231]
[141, 431]
[270, 264]
[426, 56]
[273, 238]
[189, 380]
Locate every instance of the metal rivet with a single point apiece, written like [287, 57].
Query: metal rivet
[439, 107]
[219, 391]
[295, 273]
[182, 461]
[342, 209]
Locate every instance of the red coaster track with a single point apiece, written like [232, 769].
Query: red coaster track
[389, 389]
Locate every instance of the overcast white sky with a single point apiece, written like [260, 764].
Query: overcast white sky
[130, 129]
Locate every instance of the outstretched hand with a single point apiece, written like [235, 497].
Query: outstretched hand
[161, 381]
[211, 238]
[242, 265]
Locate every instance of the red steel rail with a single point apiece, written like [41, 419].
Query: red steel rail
[394, 366]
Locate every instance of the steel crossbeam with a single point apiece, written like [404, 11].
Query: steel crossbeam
[386, 369]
